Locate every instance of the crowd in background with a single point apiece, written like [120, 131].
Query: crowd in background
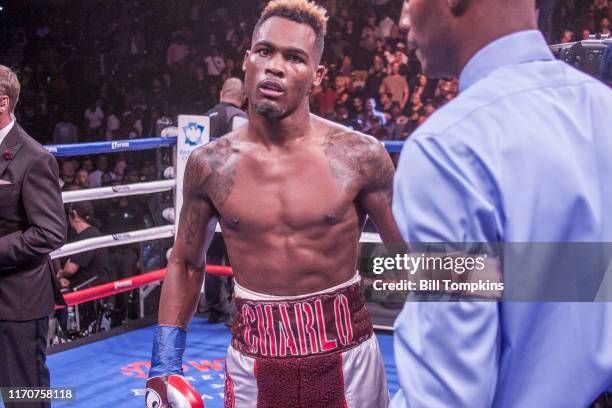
[109, 69]
[103, 70]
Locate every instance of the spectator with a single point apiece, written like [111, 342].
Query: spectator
[338, 45]
[341, 84]
[215, 64]
[372, 112]
[423, 87]
[386, 103]
[346, 68]
[398, 56]
[385, 25]
[368, 40]
[147, 171]
[87, 164]
[397, 85]
[65, 131]
[568, 36]
[350, 33]
[586, 34]
[117, 173]
[82, 178]
[357, 114]
[95, 177]
[178, 51]
[375, 78]
[94, 119]
[66, 174]
[112, 123]
[604, 26]
[326, 98]
[85, 266]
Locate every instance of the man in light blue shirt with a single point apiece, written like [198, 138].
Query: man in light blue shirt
[523, 154]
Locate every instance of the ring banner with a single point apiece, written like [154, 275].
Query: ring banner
[193, 132]
[508, 272]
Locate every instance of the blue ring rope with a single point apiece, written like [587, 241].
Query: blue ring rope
[80, 149]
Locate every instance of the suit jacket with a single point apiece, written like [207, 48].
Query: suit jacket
[32, 224]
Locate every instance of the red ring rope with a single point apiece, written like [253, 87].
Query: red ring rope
[123, 285]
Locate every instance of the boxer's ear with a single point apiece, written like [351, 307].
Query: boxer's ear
[457, 7]
[319, 74]
[247, 54]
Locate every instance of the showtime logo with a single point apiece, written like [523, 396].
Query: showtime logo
[140, 369]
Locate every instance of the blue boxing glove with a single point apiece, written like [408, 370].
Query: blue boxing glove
[166, 386]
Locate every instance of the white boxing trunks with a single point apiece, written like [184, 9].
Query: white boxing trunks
[315, 350]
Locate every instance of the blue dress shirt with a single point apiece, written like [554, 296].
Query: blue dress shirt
[523, 154]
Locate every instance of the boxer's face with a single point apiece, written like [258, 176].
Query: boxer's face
[281, 67]
[431, 33]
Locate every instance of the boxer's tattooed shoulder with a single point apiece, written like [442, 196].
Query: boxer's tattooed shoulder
[209, 176]
[211, 171]
[342, 152]
[357, 159]
[222, 159]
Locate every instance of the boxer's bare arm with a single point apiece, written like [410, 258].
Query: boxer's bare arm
[361, 159]
[203, 184]
[376, 196]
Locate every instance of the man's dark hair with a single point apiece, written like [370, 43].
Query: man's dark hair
[300, 11]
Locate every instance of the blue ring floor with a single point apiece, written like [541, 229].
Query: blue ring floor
[113, 372]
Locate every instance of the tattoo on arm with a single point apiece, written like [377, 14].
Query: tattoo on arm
[222, 160]
[355, 158]
[209, 178]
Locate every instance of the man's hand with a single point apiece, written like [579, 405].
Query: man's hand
[166, 386]
[64, 283]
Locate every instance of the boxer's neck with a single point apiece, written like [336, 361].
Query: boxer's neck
[283, 131]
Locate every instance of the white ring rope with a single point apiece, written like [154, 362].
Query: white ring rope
[123, 238]
[118, 191]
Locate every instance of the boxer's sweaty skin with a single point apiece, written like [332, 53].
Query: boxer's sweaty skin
[292, 216]
[290, 190]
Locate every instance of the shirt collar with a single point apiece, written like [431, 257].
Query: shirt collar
[5, 130]
[515, 48]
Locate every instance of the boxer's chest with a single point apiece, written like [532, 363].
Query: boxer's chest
[294, 191]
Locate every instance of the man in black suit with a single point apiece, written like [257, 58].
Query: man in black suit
[32, 224]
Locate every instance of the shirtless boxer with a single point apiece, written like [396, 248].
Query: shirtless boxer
[291, 192]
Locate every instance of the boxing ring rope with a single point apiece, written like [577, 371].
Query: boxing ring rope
[135, 282]
[118, 191]
[148, 281]
[131, 237]
[79, 149]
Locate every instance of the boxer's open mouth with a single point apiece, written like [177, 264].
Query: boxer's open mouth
[271, 88]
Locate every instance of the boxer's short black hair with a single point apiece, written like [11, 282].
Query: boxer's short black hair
[300, 11]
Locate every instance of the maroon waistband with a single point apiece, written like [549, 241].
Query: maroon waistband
[314, 325]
